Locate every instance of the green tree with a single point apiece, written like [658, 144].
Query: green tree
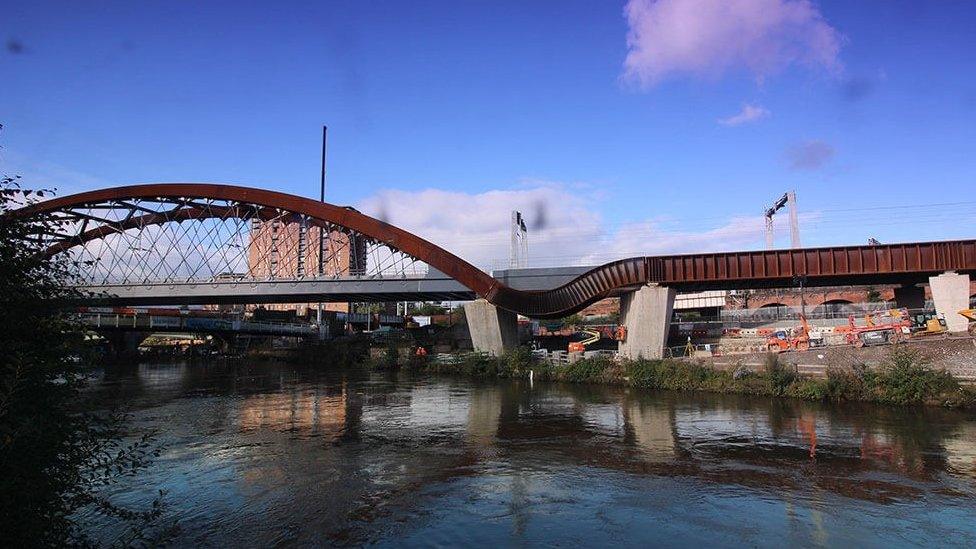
[428, 309]
[56, 458]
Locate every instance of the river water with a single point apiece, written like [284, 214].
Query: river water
[271, 454]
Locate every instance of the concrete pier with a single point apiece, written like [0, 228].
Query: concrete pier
[493, 330]
[646, 313]
[950, 292]
[125, 344]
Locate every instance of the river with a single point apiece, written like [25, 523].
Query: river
[271, 454]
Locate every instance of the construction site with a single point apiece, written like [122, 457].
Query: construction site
[813, 327]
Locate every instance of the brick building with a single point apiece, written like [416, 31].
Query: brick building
[788, 297]
[292, 250]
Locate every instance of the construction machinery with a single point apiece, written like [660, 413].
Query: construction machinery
[592, 336]
[883, 327]
[971, 315]
[928, 324]
[800, 338]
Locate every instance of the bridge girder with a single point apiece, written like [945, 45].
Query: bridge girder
[191, 215]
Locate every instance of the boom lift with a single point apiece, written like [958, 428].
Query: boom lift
[592, 336]
[881, 328]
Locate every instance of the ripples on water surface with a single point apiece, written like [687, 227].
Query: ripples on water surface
[265, 454]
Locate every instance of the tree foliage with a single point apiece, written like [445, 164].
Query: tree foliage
[428, 309]
[56, 457]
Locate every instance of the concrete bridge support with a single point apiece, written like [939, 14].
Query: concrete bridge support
[950, 292]
[910, 297]
[493, 330]
[125, 344]
[647, 315]
[225, 342]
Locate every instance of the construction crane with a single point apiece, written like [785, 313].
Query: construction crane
[788, 199]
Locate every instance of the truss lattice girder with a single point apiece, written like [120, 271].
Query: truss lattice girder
[197, 203]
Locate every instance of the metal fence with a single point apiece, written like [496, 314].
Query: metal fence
[828, 310]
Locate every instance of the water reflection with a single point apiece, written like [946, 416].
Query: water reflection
[653, 430]
[262, 454]
[312, 412]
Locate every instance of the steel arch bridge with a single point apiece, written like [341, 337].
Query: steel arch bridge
[178, 236]
[178, 241]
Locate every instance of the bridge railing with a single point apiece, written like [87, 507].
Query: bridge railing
[194, 324]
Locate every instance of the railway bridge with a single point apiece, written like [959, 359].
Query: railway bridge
[201, 243]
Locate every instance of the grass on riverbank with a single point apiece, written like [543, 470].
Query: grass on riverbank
[904, 378]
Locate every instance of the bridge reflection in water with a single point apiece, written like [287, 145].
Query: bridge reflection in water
[278, 454]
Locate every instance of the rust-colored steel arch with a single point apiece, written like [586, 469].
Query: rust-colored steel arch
[904, 263]
[567, 299]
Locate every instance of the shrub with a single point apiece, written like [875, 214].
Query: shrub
[643, 373]
[679, 375]
[391, 357]
[588, 369]
[479, 364]
[964, 397]
[779, 376]
[810, 389]
[676, 375]
[844, 385]
[517, 362]
[57, 457]
[905, 378]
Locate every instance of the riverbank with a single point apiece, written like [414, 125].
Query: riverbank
[904, 376]
[956, 355]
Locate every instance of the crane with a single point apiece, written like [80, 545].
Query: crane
[788, 199]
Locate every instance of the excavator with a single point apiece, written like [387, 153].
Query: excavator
[782, 341]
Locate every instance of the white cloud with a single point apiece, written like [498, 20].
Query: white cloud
[749, 113]
[705, 38]
[475, 226]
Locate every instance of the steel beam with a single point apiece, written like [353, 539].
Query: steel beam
[907, 263]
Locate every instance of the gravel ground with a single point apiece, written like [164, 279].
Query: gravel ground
[955, 354]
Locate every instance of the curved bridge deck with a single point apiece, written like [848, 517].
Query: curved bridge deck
[188, 236]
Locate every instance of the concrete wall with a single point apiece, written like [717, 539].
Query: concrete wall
[950, 292]
[647, 315]
[493, 330]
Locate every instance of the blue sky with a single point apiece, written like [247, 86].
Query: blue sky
[445, 115]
